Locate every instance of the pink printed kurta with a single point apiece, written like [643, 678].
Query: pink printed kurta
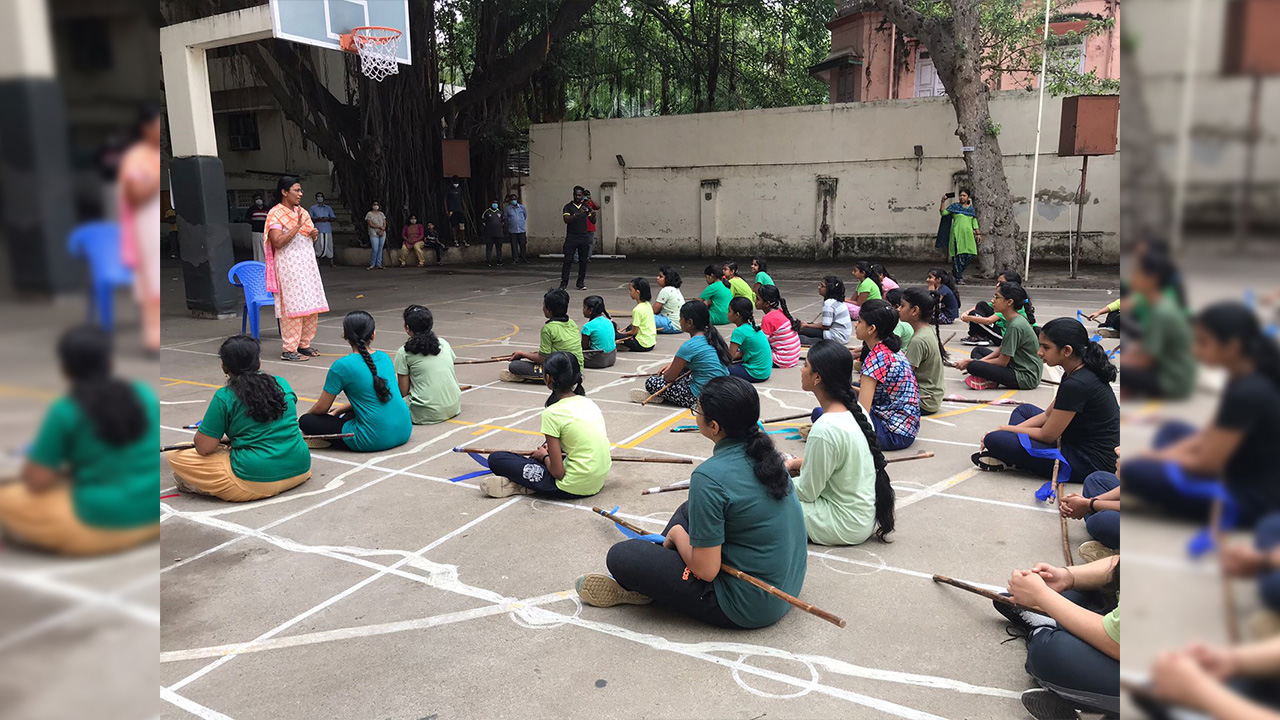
[292, 273]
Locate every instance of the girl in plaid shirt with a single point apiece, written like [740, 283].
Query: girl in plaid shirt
[888, 391]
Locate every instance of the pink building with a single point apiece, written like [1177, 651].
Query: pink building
[871, 60]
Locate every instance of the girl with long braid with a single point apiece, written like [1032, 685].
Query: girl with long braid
[748, 346]
[424, 370]
[1016, 364]
[778, 325]
[888, 390]
[377, 414]
[742, 511]
[843, 486]
[89, 483]
[705, 355]
[922, 308]
[256, 412]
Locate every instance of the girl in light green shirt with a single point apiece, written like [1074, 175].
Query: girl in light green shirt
[866, 288]
[424, 369]
[843, 487]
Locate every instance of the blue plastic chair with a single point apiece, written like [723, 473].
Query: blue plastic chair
[98, 244]
[251, 276]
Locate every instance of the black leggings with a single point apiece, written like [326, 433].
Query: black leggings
[312, 424]
[986, 332]
[653, 570]
[530, 473]
[633, 345]
[809, 336]
[1138, 382]
[985, 370]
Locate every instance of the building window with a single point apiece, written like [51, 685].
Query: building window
[242, 127]
[89, 44]
[928, 84]
[847, 85]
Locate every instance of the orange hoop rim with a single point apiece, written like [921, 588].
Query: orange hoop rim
[348, 40]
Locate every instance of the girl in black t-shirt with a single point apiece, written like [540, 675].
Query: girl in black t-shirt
[1084, 415]
[1178, 476]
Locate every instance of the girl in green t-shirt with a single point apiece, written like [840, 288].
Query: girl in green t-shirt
[559, 334]
[574, 461]
[88, 486]
[865, 288]
[922, 308]
[1016, 363]
[642, 334]
[737, 286]
[748, 346]
[264, 454]
[717, 295]
[424, 370]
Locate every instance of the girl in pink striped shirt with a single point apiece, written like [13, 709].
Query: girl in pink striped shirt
[779, 326]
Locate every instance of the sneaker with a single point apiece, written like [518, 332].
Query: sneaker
[488, 264]
[959, 281]
[564, 286]
[1023, 620]
[499, 263]
[978, 383]
[508, 376]
[496, 486]
[318, 444]
[976, 341]
[602, 591]
[1107, 332]
[1094, 550]
[582, 287]
[293, 357]
[639, 395]
[309, 352]
[1047, 705]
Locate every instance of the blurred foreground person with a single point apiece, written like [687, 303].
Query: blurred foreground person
[89, 484]
[1240, 683]
[140, 221]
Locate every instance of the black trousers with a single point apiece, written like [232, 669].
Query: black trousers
[311, 424]
[1071, 667]
[526, 471]
[986, 332]
[810, 336]
[491, 242]
[575, 246]
[661, 574]
[985, 370]
[519, 244]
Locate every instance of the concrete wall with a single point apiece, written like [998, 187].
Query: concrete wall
[740, 182]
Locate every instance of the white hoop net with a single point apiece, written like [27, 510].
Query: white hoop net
[377, 48]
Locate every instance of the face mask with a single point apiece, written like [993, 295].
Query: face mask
[514, 203]
[258, 203]
[375, 208]
[494, 205]
[319, 199]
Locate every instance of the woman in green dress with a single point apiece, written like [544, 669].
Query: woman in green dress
[965, 235]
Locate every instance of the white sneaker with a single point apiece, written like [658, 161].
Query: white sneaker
[508, 376]
[640, 396]
[497, 486]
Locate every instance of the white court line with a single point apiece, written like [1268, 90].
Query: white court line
[345, 593]
[63, 617]
[311, 363]
[939, 486]
[940, 422]
[190, 706]
[651, 426]
[53, 586]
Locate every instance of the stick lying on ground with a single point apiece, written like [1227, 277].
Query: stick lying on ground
[1228, 592]
[983, 592]
[636, 375]
[188, 446]
[615, 458]
[980, 401]
[684, 484]
[666, 387]
[464, 387]
[815, 611]
[479, 362]
[950, 337]
[785, 418]
[918, 456]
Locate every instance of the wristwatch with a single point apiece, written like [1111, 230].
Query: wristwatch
[1091, 502]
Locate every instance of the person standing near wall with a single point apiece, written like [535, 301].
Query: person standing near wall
[577, 238]
[257, 221]
[139, 212]
[322, 215]
[591, 224]
[516, 217]
[376, 221]
[965, 235]
[453, 209]
[494, 228]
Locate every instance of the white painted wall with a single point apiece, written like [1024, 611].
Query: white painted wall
[768, 163]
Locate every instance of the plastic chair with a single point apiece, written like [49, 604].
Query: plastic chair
[251, 276]
[98, 244]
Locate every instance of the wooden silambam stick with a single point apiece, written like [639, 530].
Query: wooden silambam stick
[1228, 592]
[950, 337]
[1062, 519]
[188, 446]
[637, 375]
[785, 418]
[812, 610]
[615, 458]
[464, 387]
[918, 456]
[666, 387]
[980, 401]
[684, 485]
[481, 362]
[997, 597]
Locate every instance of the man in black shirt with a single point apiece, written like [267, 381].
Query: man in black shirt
[576, 239]
[455, 212]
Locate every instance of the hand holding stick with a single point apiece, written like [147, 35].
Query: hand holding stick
[1062, 519]
[505, 358]
[666, 387]
[997, 597]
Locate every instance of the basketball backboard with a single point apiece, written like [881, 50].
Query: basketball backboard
[322, 22]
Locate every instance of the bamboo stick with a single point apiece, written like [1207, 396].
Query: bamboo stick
[464, 387]
[1062, 519]
[674, 487]
[666, 387]
[1228, 592]
[188, 446]
[997, 597]
[637, 375]
[980, 401]
[501, 357]
[615, 458]
[481, 362]
[797, 602]
[918, 456]
[785, 418]
[950, 337]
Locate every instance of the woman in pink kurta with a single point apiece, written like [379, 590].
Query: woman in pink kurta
[292, 273]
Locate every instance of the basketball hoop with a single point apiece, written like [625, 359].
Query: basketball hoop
[377, 48]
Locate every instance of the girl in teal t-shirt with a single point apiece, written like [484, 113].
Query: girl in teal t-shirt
[257, 413]
[599, 346]
[748, 346]
[377, 415]
[717, 295]
[761, 269]
[702, 358]
[89, 483]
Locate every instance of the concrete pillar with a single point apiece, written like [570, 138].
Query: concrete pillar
[708, 235]
[35, 171]
[199, 184]
[607, 220]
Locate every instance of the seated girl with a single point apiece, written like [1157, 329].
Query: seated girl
[666, 307]
[704, 357]
[903, 329]
[925, 352]
[599, 334]
[1083, 419]
[1099, 506]
[986, 326]
[88, 486]
[1017, 363]
[761, 270]
[642, 334]
[1259, 561]
[940, 282]
[1180, 475]
[737, 286]
[257, 413]
[742, 512]
[779, 327]
[1073, 644]
[424, 370]
[717, 295]
[865, 288]
[888, 390]
[574, 461]
[748, 346]
[559, 334]
[1159, 362]
[376, 413]
[835, 323]
[880, 274]
[843, 486]
[1237, 682]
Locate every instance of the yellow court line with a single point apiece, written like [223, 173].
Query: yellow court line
[15, 391]
[495, 427]
[169, 382]
[496, 339]
[971, 408]
[662, 427]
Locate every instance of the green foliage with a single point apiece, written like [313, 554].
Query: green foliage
[993, 128]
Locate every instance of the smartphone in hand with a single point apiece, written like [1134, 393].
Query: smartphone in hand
[950, 195]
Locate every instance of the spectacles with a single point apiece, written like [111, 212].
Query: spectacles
[696, 410]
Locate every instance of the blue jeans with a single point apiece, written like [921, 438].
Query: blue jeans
[1072, 668]
[886, 439]
[665, 326]
[1104, 525]
[1007, 446]
[1153, 481]
[740, 370]
[378, 243]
